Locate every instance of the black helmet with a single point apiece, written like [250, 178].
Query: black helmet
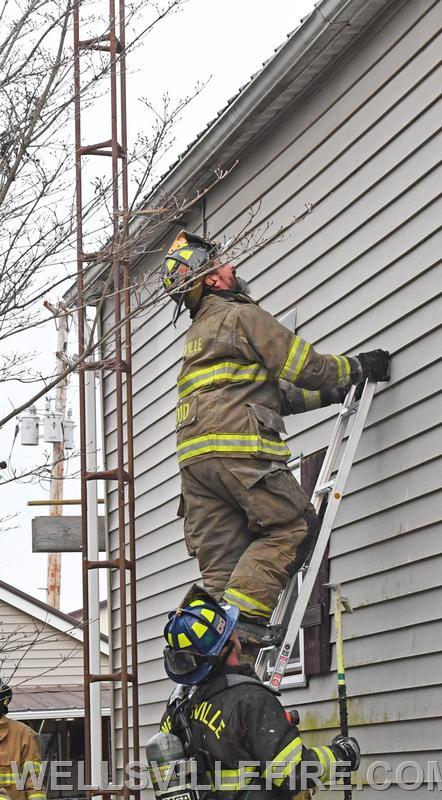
[5, 697]
[186, 256]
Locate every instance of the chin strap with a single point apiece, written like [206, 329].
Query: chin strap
[222, 658]
[177, 311]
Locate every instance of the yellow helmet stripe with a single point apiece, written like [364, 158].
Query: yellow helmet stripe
[183, 640]
[199, 629]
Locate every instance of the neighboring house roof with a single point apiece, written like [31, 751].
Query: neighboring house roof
[58, 700]
[42, 611]
[34, 702]
[309, 51]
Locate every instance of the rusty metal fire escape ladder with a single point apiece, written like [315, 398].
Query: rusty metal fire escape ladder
[123, 564]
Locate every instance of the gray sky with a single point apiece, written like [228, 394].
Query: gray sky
[226, 41]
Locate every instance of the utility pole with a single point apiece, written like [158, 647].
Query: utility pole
[58, 454]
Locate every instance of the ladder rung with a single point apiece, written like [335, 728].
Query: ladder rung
[108, 677]
[109, 563]
[95, 40]
[349, 410]
[112, 364]
[101, 149]
[106, 475]
[325, 488]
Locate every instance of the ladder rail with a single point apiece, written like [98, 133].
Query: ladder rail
[324, 476]
[324, 533]
[336, 440]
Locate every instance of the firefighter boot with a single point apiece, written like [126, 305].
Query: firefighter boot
[254, 632]
[249, 654]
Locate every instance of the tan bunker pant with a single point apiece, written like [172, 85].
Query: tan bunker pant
[244, 523]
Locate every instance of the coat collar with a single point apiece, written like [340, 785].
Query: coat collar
[218, 299]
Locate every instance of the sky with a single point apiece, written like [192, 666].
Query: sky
[222, 42]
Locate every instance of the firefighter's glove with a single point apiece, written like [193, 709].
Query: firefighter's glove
[375, 365]
[347, 749]
[329, 397]
[358, 391]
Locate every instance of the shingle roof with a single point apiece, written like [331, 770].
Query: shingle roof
[52, 698]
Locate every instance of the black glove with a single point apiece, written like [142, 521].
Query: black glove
[358, 391]
[329, 397]
[339, 394]
[375, 365]
[347, 749]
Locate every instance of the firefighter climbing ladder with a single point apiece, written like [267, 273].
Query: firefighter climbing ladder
[335, 489]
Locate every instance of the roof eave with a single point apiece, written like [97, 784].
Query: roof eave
[308, 52]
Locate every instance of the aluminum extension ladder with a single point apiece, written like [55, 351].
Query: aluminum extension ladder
[335, 489]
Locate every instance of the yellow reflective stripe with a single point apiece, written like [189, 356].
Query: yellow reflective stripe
[234, 779]
[311, 399]
[230, 443]
[347, 369]
[338, 362]
[295, 359]
[343, 370]
[8, 778]
[247, 604]
[326, 757]
[285, 762]
[36, 795]
[223, 371]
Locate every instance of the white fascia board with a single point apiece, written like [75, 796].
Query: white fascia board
[54, 713]
[44, 615]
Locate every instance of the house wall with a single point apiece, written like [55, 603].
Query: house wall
[34, 653]
[362, 152]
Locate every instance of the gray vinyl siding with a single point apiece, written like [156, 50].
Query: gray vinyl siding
[362, 151]
[33, 653]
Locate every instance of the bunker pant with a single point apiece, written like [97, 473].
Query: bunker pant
[244, 522]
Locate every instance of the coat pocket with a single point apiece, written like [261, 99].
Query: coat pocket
[180, 510]
[267, 418]
[249, 476]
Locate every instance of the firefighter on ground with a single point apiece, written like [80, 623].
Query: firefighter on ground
[246, 518]
[19, 756]
[222, 710]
